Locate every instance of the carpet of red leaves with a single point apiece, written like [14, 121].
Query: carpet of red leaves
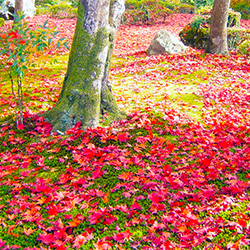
[153, 181]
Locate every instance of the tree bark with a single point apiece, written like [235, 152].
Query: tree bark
[217, 43]
[18, 6]
[25, 6]
[86, 91]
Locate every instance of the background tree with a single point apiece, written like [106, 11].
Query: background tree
[18, 6]
[86, 92]
[217, 43]
[25, 6]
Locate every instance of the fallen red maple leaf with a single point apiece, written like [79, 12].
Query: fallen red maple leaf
[46, 238]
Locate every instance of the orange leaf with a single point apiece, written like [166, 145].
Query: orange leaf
[28, 231]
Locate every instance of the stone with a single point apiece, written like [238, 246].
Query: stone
[167, 43]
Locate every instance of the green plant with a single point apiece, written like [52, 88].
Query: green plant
[184, 8]
[21, 48]
[46, 2]
[241, 6]
[199, 3]
[42, 9]
[206, 10]
[63, 10]
[147, 11]
[1, 22]
[236, 36]
[244, 48]
[233, 19]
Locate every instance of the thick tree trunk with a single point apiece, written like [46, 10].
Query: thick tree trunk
[217, 43]
[85, 89]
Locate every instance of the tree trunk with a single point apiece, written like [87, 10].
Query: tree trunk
[25, 6]
[18, 6]
[86, 91]
[195, 6]
[217, 43]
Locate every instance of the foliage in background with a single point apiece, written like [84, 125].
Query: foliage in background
[21, 48]
[243, 6]
[244, 47]
[152, 12]
[200, 3]
[147, 11]
[184, 8]
[57, 8]
[63, 10]
[236, 36]
[196, 33]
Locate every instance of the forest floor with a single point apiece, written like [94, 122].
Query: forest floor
[174, 175]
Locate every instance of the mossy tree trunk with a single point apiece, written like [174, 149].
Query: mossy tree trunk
[217, 43]
[86, 92]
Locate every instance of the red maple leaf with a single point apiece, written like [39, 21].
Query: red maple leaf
[46, 238]
[123, 137]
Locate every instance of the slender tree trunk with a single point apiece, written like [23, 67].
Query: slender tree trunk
[86, 91]
[18, 6]
[25, 6]
[217, 43]
[195, 6]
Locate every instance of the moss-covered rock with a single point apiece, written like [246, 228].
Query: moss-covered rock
[196, 33]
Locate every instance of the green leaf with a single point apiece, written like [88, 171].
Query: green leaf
[56, 33]
[14, 63]
[46, 22]
[49, 41]
[66, 45]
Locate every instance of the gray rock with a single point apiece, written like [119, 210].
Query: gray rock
[165, 42]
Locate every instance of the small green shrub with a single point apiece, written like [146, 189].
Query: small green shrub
[46, 2]
[206, 10]
[63, 10]
[199, 3]
[21, 49]
[236, 36]
[42, 9]
[244, 48]
[184, 8]
[147, 11]
[233, 19]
